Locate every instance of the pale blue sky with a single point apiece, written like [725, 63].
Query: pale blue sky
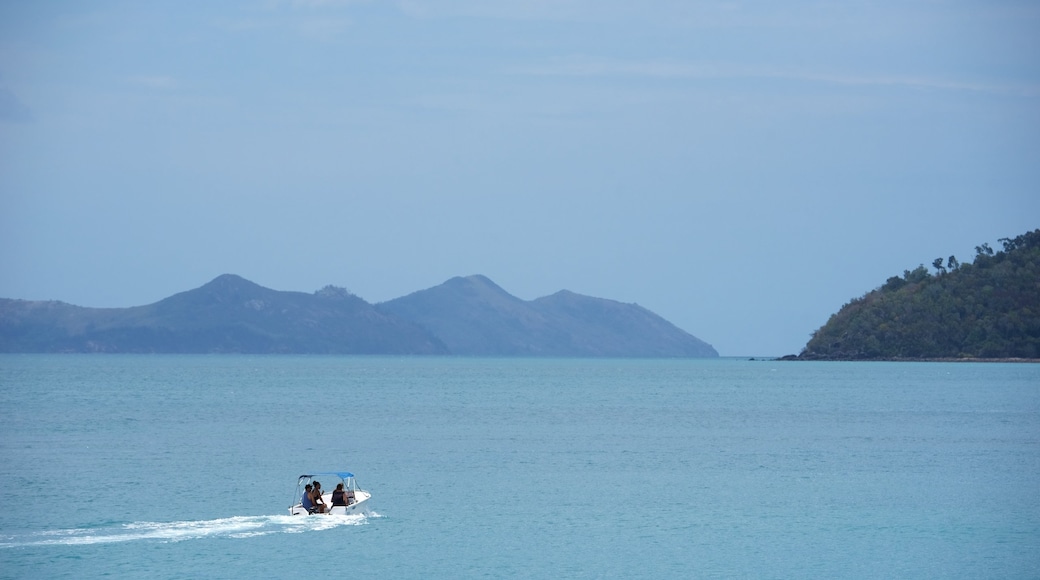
[740, 168]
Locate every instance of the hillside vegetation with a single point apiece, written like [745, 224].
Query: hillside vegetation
[989, 308]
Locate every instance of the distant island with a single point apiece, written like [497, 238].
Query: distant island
[469, 316]
[988, 309]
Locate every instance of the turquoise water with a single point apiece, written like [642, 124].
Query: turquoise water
[184, 467]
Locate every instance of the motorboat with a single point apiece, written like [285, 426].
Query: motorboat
[356, 497]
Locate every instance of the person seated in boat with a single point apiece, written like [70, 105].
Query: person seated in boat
[339, 497]
[306, 502]
[319, 503]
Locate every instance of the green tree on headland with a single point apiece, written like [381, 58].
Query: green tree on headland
[989, 308]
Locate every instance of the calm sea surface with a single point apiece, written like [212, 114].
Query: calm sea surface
[184, 467]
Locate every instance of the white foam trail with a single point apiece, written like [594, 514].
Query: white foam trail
[233, 527]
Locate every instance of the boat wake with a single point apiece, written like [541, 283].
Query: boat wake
[233, 527]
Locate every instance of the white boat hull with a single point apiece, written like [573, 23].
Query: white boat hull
[360, 504]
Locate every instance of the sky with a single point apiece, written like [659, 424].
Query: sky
[742, 169]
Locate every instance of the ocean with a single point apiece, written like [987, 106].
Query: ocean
[184, 467]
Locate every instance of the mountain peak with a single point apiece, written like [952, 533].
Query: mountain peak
[230, 282]
[474, 316]
[223, 288]
[474, 281]
[229, 314]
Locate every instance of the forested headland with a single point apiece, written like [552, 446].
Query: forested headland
[988, 308]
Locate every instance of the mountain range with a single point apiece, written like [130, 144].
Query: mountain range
[467, 316]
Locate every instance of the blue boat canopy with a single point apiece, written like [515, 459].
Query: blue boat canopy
[339, 474]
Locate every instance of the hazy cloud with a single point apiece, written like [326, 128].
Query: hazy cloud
[311, 4]
[155, 81]
[12, 108]
[318, 20]
[323, 29]
[706, 71]
[547, 10]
